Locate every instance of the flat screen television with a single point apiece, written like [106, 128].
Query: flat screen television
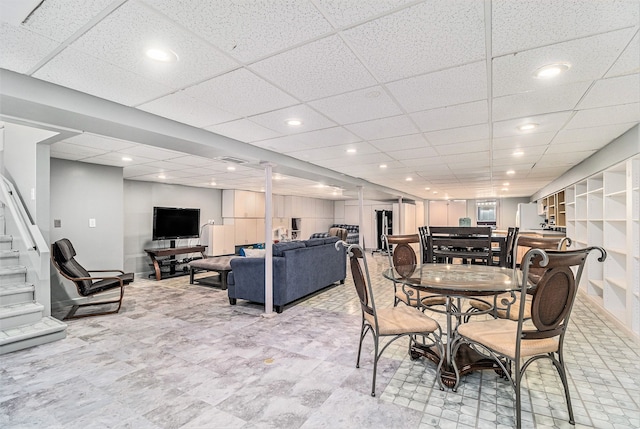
[170, 223]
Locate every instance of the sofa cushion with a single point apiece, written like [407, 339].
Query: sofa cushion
[252, 253]
[314, 242]
[280, 248]
[330, 240]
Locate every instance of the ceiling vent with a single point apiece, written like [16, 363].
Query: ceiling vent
[233, 160]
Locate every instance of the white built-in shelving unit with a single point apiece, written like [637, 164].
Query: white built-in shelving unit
[604, 210]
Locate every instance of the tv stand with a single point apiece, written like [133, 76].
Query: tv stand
[171, 263]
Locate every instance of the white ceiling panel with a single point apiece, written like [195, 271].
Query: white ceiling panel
[582, 146]
[241, 92]
[400, 143]
[604, 134]
[276, 120]
[545, 123]
[243, 130]
[247, 30]
[417, 153]
[629, 61]
[566, 159]
[428, 28]
[320, 69]
[124, 36]
[622, 113]
[615, 90]
[343, 13]
[525, 24]
[313, 139]
[115, 159]
[460, 115]
[59, 19]
[186, 109]
[358, 106]
[443, 88]
[555, 99]
[589, 59]
[136, 171]
[82, 72]
[527, 154]
[152, 153]
[194, 161]
[458, 135]
[22, 49]
[383, 128]
[523, 141]
[373, 159]
[73, 151]
[459, 148]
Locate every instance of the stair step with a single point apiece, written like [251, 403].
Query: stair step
[6, 241]
[9, 257]
[16, 293]
[46, 330]
[15, 315]
[13, 274]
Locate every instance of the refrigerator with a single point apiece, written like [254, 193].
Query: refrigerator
[527, 217]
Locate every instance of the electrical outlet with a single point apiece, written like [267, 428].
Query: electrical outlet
[211, 222]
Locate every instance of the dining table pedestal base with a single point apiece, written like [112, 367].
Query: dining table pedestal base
[467, 360]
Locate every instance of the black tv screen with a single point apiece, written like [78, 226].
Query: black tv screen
[171, 223]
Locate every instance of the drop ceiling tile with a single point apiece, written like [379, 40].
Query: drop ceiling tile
[568, 158]
[21, 49]
[247, 30]
[590, 58]
[59, 19]
[276, 120]
[452, 116]
[322, 68]
[358, 106]
[343, 13]
[629, 61]
[528, 154]
[140, 170]
[525, 24]
[604, 134]
[123, 37]
[605, 116]
[523, 141]
[581, 146]
[417, 153]
[458, 135]
[182, 108]
[72, 151]
[85, 73]
[113, 159]
[546, 123]
[555, 99]
[104, 144]
[151, 152]
[520, 163]
[412, 141]
[443, 88]
[165, 166]
[311, 140]
[460, 148]
[241, 92]
[370, 158]
[611, 91]
[383, 128]
[243, 130]
[195, 161]
[427, 28]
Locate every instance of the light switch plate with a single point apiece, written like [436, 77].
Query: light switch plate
[92, 223]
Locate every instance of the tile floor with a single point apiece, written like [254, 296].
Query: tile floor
[179, 356]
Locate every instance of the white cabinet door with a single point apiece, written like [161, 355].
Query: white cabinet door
[221, 240]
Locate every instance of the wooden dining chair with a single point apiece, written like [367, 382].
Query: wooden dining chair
[402, 257]
[515, 344]
[465, 243]
[392, 322]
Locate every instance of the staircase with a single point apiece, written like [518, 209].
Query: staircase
[22, 320]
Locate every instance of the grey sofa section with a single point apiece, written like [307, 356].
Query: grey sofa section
[300, 268]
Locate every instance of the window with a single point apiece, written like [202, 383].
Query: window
[487, 213]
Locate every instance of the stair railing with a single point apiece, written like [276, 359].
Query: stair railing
[36, 246]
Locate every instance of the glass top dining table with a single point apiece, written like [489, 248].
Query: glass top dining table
[456, 281]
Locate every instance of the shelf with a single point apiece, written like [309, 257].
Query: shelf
[619, 282]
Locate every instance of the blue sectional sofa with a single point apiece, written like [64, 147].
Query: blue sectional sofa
[300, 268]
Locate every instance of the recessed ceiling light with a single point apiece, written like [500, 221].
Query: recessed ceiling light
[435, 192]
[510, 172]
[163, 55]
[231, 168]
[426, 189]
[409, 179]
[518, 153]
[126, 159]
[161, 176]
[551, 70]
[213, 183]
[527, 127]
[505, 184]
[505, 189]
[383, 165]
[351, 151]
[293, 122]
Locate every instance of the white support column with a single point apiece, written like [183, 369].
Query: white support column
[401, 214]
[268, 242]
[361, 216]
